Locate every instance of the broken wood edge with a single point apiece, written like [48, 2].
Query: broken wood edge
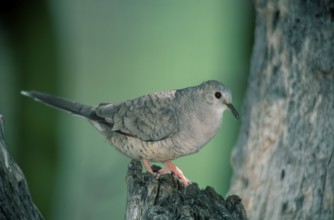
[165, 197]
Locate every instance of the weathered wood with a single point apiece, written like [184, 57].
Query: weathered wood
[283, 161]
[166, 198]
[15, 199]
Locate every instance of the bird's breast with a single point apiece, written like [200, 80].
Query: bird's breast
[199, 131]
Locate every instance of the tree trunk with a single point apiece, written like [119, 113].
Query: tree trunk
[283, 162]
[15, 199]
[166, 198]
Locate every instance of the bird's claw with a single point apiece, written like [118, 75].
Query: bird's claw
[171, 169]
[160, 172]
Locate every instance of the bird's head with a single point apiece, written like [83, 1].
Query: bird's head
[218, 95]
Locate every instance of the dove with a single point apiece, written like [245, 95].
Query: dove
[158, 127]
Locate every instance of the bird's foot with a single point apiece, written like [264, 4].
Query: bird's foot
[177, 172]
[164, 171]
[155, 173]
[171, 169]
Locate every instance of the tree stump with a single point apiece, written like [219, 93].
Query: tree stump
[15, 199]
[283, 161]
[166, 198]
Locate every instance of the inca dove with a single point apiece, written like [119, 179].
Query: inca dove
[157, 127]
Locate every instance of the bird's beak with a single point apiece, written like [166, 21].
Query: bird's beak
[233, 110]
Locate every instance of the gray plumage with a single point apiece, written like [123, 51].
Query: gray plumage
[157, 127]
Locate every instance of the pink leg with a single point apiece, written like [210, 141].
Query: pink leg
[171, 167]
[178, 172]
[148, 167]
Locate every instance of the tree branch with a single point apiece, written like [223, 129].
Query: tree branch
[15, 199]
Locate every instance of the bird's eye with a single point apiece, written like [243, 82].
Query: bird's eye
[218, 95]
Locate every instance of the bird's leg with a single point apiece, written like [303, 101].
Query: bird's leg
[178, 172]
[149, 169]
[171, 168]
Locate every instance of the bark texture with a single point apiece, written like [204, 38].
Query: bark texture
[15, 199]
[166, 198]
[283, 162]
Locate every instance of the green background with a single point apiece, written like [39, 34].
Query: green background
[109, 51]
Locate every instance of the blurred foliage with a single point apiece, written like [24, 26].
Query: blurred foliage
[108, 51]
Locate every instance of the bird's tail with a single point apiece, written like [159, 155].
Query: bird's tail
[63, 104]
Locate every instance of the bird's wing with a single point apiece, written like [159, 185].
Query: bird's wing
[149, 118]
